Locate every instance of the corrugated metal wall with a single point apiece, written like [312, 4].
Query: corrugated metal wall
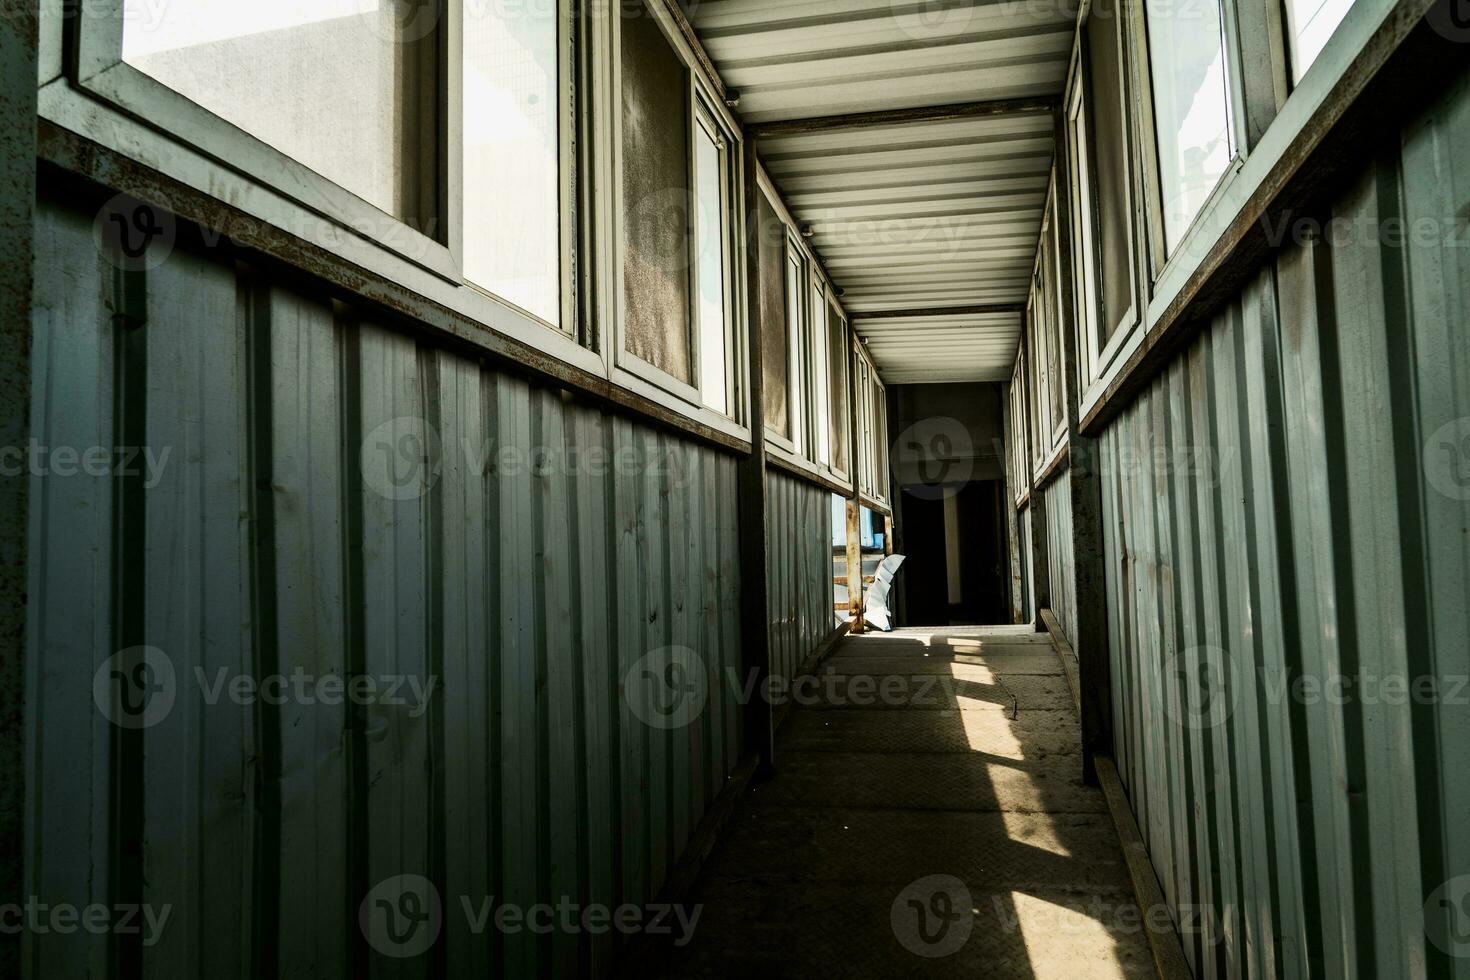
[1287, 506]
[551, 550]
[799, 560]
[1058, 510]
[1028, 587]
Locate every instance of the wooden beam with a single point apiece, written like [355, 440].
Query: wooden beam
[754, 606]
[891, 117]
[940, 311]
[855, 565]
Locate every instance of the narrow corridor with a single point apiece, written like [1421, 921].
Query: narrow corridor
[928, 817]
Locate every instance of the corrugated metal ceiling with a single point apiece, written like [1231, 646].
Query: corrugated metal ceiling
[907, 215]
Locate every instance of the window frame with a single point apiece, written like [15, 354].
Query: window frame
[624, 364]
[1158, 258]
[1085, 266]
[821, 384]
[730, 248]
[798, 348]
[1128, 324]
[264, 211]
[843, 474]
[1019, 461]
[99, 69]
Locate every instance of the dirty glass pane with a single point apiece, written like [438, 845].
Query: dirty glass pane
[322, 82]
[1310, 25]
[1054, 320]
[775, 348]
[794, 331]
[512, 187]
[838, 420]
[1186, 48]
[710, 225]
[1110, 131]
[821, 402]
[656, 197]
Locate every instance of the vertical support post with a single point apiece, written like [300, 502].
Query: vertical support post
[754, 585]
[854, 505]
[855, 565]
[1094, 663]
[18, 67]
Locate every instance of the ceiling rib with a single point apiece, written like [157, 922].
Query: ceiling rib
[890, 117]
[941, 311]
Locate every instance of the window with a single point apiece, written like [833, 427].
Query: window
[711, 178]
[1051, 282]
[677, 221]
[775, 348]
[1110, 142]
[1191, 90]
[1083, 258]
[838, 419]
[1310, 25]
[655, 164]
[512, 155]
[329, 84]
[795, 334]
[872, 430]
[821, 379]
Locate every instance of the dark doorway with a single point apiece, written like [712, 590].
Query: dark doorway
[955, 548]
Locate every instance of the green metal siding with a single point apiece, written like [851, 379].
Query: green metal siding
[1290, 500]
[530, 592]
[799, 559]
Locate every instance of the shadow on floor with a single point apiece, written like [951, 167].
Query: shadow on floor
[927, 817]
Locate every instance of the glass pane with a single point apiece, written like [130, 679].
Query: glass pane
[656, 205]
[1310, 24]
[512, 188]
[322, 82]
[1083, 255]
[1110, 131]
[775, 349]
[1054, 320]
[1191, 107]
[838, 420]
[820, 405]
[798, 362]
[710, 225]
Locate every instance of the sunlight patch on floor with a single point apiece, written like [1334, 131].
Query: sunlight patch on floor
[1089, 948]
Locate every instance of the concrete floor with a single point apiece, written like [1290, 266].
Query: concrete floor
[937, 826]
